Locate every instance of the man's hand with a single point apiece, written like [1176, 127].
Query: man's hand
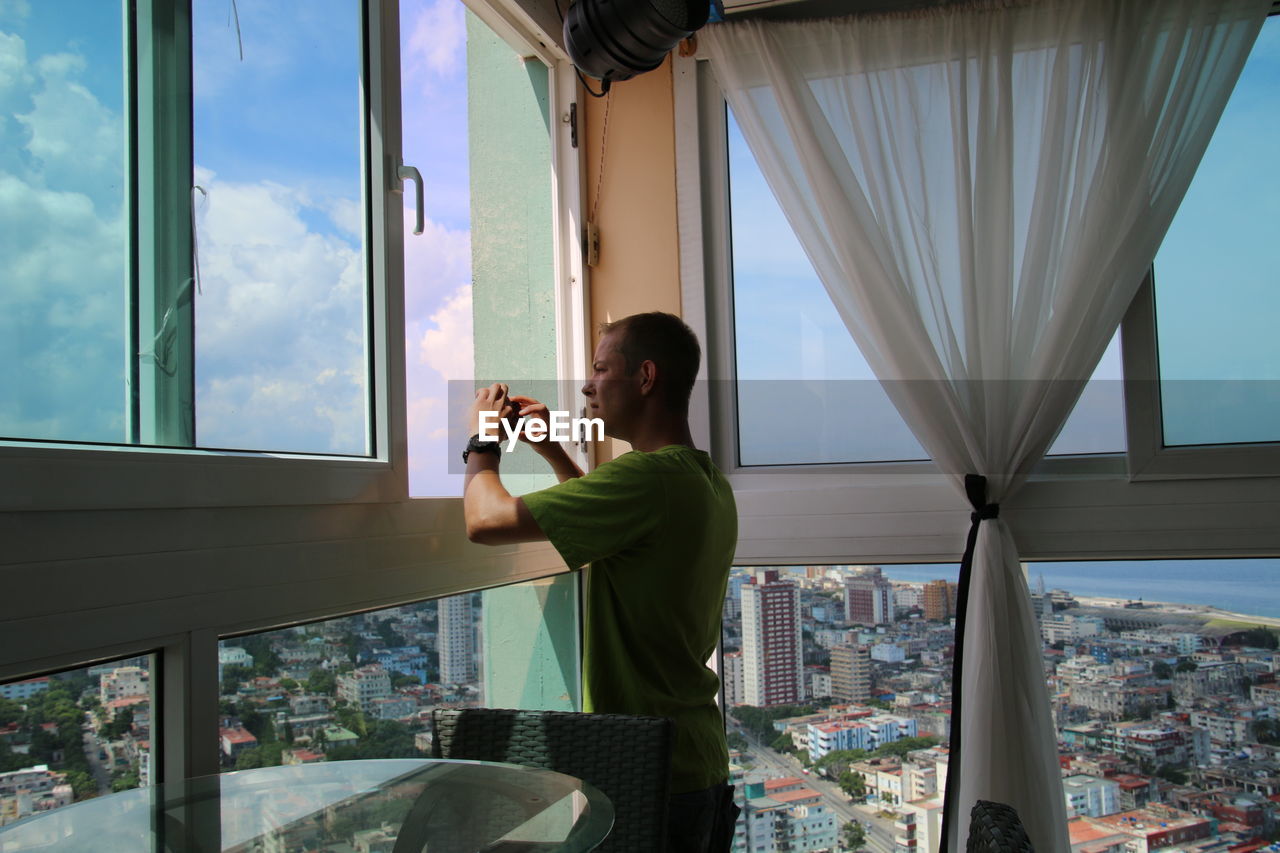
[492, 399]
[552, 451]
[532, 411]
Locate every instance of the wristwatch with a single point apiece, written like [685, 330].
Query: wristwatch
[478, 446]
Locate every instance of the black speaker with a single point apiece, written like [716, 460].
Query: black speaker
[618, 39]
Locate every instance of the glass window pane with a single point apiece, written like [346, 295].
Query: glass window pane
[347, 688]
[794, 354]
[281, 317]
[477, 124]
[74, 735]
[1159, 705]
[363, 686]
[1215, 278]
[63, 221]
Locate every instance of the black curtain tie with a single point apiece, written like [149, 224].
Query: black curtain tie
[975, 489]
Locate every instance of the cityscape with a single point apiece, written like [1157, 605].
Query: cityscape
[837, 691]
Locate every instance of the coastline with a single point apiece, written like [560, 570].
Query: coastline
[1208, 612]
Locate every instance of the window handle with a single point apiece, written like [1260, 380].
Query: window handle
[411, 173]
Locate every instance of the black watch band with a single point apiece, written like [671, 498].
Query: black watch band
[477, 446]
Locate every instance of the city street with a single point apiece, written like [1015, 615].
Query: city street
[879, 831]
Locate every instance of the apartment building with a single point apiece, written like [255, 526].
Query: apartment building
[772, 653]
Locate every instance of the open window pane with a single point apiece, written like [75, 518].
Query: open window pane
[794, 354]
[243, 324]
[64, 237]
[74, 735]
[1215, 276]
[281, 309]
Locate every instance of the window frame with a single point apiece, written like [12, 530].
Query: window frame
[68, 475]
[1149, 502]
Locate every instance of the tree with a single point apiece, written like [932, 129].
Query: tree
[82, 784]
[1187, 665]
[10, 712]
[1267, 731]
[854, 835]
[233, 675]
[854, 785]
[1162, 670]
[738, 742]
[322, 681]
[904, 745]
[124, 781]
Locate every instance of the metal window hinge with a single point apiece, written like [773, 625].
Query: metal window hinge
[571, 119]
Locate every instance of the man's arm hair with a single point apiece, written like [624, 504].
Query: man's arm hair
[492, 515]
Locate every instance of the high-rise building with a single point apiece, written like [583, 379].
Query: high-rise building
[868, 597]
[732, 677]
[939, 600]
[456, 640]
[851, 672]
[772, 653]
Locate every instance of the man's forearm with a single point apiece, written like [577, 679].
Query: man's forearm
[492, 515]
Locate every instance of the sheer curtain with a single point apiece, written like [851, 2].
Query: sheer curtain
[981, 189]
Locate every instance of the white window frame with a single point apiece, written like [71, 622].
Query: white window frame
[90, 476]
[1147, 503]
[113, 553]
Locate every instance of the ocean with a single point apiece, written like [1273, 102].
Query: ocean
[1249, 586]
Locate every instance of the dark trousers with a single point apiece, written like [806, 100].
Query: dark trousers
[701, 821]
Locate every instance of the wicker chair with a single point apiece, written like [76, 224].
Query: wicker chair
[996, 828]
[627, 758]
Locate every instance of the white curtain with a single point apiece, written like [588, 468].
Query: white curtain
[981, 189]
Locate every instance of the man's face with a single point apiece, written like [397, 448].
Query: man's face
[612, 395]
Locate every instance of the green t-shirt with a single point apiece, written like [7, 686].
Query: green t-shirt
[659, 530]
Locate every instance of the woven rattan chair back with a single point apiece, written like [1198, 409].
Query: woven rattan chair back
[628, 758]
[996, 828]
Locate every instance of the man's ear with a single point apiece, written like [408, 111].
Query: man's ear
[648, 376]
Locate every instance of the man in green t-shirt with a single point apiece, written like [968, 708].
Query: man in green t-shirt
[658, 526]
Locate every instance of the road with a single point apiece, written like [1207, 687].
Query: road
[879, 831]
[96, 765]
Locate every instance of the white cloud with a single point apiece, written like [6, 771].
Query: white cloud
[437, 42]
[76, 140]
[436, 263]
[14, 76]
[348, 216]
[448, 347]
[62, 246]
[281, 354]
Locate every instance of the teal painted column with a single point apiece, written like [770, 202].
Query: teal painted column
[530, 630]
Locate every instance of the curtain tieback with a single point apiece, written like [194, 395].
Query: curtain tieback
[985, 512]
[975, 489]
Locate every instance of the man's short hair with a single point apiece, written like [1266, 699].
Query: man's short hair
[669, 343]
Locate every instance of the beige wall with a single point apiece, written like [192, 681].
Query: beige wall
[634, 202]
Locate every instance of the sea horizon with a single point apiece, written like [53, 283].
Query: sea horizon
[1248, 586]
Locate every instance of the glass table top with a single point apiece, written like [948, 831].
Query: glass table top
[388, 806]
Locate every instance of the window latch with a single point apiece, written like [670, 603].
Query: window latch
[411, 173]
